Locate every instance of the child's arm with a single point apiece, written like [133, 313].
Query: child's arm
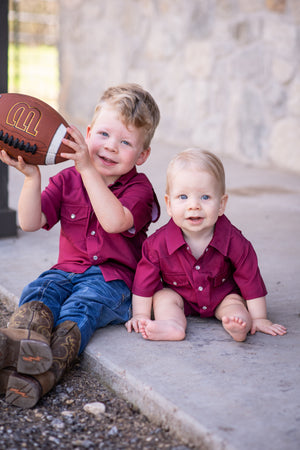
[30, 213]
[141, 309]
[111, 214]
[258, 312]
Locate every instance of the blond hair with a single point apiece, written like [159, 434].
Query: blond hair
[197, 159]
[135, 106]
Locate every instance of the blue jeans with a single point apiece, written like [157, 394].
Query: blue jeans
[85, 298]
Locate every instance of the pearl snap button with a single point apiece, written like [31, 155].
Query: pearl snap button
[73, 216]
[175, 283]
[93, 233]
[204, 307]
[223, 279]
[95, 257]
[197, 267]
[200, 288]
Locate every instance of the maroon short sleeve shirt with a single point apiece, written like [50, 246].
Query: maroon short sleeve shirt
[228, 264]
[83, 242]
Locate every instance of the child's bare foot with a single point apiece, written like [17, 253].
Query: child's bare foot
[161, 330]
[236, 327]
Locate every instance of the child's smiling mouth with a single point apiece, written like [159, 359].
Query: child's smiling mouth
[195, 220]
[107, 161]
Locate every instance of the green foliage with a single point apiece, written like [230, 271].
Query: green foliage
[33, 70]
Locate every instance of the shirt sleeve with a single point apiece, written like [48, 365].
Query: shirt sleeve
[51, 201]
[141, 201]
[147, 278]
[247, 274]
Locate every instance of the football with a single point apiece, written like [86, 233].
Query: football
[31, 128]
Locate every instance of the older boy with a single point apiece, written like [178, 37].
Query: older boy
[105, 208]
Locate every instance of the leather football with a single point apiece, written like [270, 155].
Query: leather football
[33, 129]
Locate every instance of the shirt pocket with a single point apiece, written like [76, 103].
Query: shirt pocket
[175, 279]
[221, 277]
[74, 220]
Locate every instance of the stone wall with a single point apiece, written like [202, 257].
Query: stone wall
[33, 22]
[225, 73]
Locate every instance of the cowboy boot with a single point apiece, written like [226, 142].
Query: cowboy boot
[25, 391]
[25, 343]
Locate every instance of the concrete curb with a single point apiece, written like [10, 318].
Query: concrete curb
[151, 404]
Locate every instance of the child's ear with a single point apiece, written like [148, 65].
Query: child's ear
[168, 205]
[223, 204]
[88, 131]
[143, 156]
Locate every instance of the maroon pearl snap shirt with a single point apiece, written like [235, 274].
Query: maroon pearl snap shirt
[229, 264]
[83, 242]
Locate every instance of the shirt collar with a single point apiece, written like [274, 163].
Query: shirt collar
[123, 179]
[220, 240]
[174, 237]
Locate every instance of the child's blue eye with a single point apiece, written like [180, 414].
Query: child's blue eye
[126, 142]
[183, 197]
[204, 197]
[104, 133]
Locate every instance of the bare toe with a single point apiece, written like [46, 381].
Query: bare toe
[236, 327]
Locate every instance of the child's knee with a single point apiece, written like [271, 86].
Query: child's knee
[167, 296]
[232, 304]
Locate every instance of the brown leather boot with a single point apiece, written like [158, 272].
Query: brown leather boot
[25, 391]
[25, 343]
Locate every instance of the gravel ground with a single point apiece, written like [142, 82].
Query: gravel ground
[60, 421]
